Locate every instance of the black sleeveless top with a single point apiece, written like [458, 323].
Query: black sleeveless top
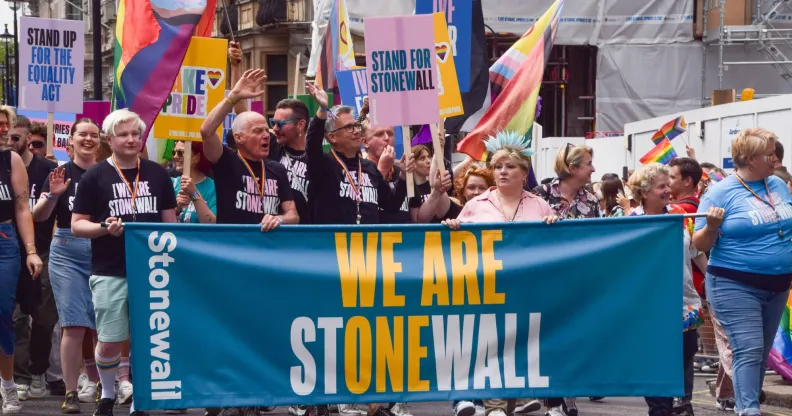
[6, 190]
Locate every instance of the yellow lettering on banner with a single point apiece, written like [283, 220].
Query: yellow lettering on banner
[358, 377]
[389, 269]
[415, 351]
[357, 266]
[464, 264]
[435, 278]
[491, 266]
[390, 354]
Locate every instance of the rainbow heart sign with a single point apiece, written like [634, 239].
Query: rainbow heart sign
[215, 77]
[199, 87]
[442, 49]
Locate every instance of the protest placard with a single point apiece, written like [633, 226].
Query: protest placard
[353, 87]
[449, 98]
[402, 70]
[95, 110]
[51, 59]
[61, 127]
[459, 16]
[199, 87]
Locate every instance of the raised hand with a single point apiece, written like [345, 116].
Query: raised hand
[249, 86]
[386, 159]
[234, 53]
[57, 185]
[317, 93]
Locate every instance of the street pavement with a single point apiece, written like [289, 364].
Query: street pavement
[627, 406]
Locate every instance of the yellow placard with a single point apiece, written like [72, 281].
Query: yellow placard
[449, 97]
[199, 87]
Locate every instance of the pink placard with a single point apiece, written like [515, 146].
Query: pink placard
[95, 110]
[402, 71]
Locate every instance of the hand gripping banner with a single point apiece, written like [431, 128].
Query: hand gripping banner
[228, 316]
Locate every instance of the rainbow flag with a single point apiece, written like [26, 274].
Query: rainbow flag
[515, 79]
[670, 130]
[337, 52]
[780, 358]
[662, 153]
[151, 39]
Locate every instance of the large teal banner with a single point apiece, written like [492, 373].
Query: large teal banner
[229, 316]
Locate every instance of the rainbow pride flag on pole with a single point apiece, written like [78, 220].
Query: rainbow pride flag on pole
[515, 79]
[337, 53]
[780, 358]
[670, 130]
[662, 153]
[151, 39]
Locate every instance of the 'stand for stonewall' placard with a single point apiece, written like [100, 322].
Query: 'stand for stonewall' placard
[199, 87]
[449, 98]
[51, 59]
[401, 67]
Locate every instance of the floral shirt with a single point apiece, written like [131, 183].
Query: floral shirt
[692, 312]
[584, 205]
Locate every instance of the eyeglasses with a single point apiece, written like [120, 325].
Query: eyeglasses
[179, 153]
[350, 128]
[36, 144]
[281, 123]
[15, 137]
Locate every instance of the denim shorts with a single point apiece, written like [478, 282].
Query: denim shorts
[9, 277]
[111, 303]
[69, 271]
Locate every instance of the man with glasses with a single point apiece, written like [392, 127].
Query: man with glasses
[37, 143]
[34, 297]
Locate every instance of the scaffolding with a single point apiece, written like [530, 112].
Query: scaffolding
[761, 33]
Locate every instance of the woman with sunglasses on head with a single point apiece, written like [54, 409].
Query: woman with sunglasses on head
[747, 232]
[195, 194]
[14, 209]
[70, 266]
[569, 198]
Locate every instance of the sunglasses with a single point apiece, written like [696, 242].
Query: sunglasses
[281, 123]
[15, 137]
[179, 153]
[36, 144]
[350, 128]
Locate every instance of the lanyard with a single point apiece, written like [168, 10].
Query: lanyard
[355, 186]
[132, 191]
[769, 202]
[259, 184]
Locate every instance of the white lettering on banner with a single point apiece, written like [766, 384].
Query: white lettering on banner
[159, 320]
[454, 349]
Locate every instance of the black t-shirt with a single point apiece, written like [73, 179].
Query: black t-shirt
[7, 210]
[402, 216]
[296, 164]
[333, 196]
[38, 171]
[65, 202]
[238, 199]
[103, 194]
[422, 193]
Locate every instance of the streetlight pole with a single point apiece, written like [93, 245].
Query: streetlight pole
[16, 54]
[6, 37]
[96, 24]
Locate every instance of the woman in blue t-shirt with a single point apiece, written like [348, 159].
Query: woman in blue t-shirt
[195, 195]
[748, 231]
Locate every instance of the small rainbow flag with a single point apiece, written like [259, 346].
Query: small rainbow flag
[670, 130]
[662, 153]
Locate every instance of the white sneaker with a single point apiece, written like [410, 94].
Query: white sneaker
[88, 392]
[11, 405]
[124, 393]
[465, 408]
[81, 381]
[401, 409]
[498, 412]
[38, 387]
[297, 410]
[350, 410]
[528, 407]
[23, 392]
[555, 411]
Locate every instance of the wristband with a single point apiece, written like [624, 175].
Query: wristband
[103, 224]
[48, 196]
[280, 220]
[30, 253]
[195, 196]
[229, 101]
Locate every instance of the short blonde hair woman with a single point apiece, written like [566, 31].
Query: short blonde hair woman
[747, 231]
[650, 185]
[7, 119]
[567, 194]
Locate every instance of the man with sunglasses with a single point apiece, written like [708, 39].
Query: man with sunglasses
[37, 143]
[289, 124]
[34, 297]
